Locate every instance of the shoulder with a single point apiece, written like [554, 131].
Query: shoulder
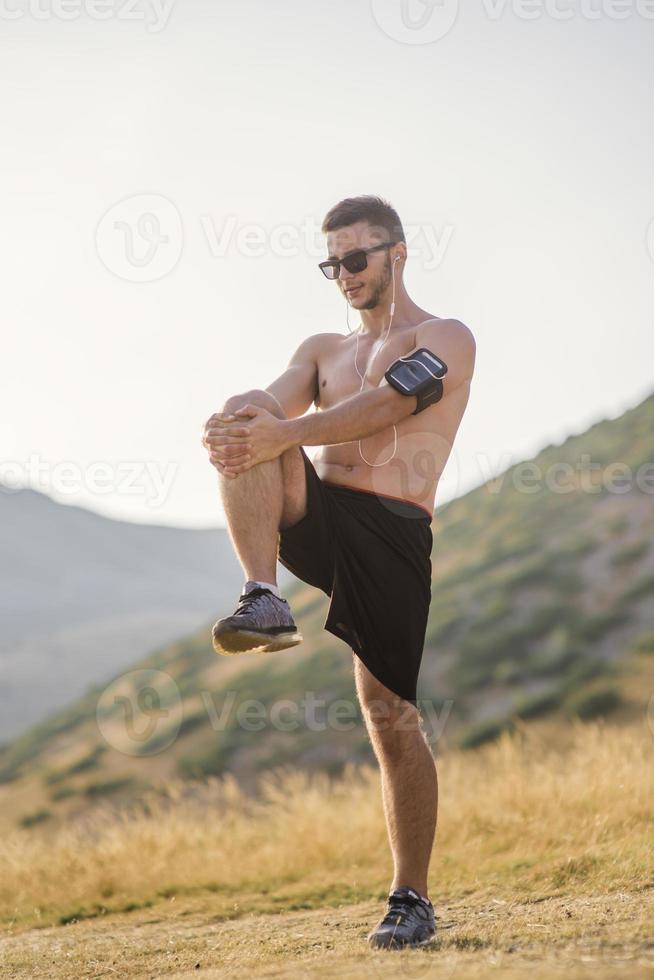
[453, 342]
[315, 345]
[449, 330]
[320, 343]
[323, 339]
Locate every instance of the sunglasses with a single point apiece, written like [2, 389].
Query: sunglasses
[353, 261]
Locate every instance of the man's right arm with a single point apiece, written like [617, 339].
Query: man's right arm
[297, 387]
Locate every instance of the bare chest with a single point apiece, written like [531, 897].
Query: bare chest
[341, 366]
[423, 441]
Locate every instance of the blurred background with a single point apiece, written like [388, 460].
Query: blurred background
[166, 166]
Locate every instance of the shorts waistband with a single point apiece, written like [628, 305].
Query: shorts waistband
[412, 508]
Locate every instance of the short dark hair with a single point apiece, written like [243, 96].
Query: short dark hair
[375, 210]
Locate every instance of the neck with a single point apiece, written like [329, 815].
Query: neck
[374, 323]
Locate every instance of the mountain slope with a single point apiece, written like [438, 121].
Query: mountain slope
[542, 608]
[82, 595]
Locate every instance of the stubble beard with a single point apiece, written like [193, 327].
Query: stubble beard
[379, 286]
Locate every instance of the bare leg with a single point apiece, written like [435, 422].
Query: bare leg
[253, 503]
[409, 778]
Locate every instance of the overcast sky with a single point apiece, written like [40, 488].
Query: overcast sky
[165, 170]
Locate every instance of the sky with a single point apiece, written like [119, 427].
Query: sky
[166, 166]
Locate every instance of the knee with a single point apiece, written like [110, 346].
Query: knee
[377, 701]
[391, 722]
[257, 396]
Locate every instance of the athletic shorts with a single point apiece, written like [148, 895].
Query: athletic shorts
[371, 554]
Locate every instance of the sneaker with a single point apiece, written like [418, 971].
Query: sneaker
[262, 623]
[410, 921]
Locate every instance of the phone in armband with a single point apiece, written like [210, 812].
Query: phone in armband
[419, 373]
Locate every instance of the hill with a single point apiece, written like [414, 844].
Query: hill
[82, 596]
[542, 608]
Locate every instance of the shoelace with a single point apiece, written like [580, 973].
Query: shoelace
[246, 600]
[397, 908]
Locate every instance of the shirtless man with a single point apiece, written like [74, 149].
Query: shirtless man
[381, 462]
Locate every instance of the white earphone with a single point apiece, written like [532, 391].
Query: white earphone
[363, 377]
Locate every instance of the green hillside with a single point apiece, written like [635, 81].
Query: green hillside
[542, 608]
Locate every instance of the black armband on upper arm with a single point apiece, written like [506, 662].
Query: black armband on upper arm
[418, 373]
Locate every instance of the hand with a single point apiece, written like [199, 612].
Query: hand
[225, 440]
[266, 437]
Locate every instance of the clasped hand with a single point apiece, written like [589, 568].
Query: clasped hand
[234, 447]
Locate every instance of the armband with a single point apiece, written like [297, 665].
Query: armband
[418, 373]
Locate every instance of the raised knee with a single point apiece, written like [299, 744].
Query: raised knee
[257, 396]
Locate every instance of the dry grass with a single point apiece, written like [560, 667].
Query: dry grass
[522, 827]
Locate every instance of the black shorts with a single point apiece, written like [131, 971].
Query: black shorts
[371, 553]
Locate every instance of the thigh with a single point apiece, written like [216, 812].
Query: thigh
[306, 546]
[295, 488]
[293, 471]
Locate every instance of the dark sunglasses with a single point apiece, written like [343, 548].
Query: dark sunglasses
[353, 261]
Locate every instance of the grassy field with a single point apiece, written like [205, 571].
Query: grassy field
[544, 861]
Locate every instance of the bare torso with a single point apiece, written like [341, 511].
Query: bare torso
[424, 441]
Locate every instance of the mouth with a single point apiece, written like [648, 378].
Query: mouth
[353, 290]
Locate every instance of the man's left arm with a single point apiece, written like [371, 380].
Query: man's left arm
[376, 409]
[365, 413]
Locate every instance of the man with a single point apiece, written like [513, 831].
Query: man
[355, 522]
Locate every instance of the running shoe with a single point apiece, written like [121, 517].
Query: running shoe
[262, 623]
[409, 921]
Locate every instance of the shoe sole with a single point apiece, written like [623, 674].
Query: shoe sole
[419, 945]
[395, 945]
[230, 641]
